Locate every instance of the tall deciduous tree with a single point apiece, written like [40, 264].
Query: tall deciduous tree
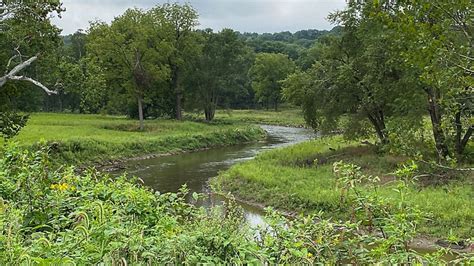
[180, 21]
[267, 73]
[356, 76]
[440, 50]
[133, 50]
[218, 70]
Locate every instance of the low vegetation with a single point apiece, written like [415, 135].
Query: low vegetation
[84, 138]
[301, 178]
[58, 217]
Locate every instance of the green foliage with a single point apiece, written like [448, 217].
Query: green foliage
[180, 21]
[355, 76]
[85, 81]
[439, 47]
[267, 73]
[11, 124]
[133, 50]
[387, 65]
[220, 72]
[292, 44]
[56, 216]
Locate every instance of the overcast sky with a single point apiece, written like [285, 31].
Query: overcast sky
[242, 15]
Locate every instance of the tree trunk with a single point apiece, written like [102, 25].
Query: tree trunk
[177, 90]
[179, 113]
[60, 101]
[210, 107]
[209, 112]
[461, 141]
[378, 121]
[140, 112]
[435, 116]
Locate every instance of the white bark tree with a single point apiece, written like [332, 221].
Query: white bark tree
[13, 74]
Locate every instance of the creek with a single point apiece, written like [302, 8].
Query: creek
[195, 169]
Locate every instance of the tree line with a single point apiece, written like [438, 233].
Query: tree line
[146, 63]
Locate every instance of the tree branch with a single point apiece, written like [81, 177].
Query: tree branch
[9, 62]
[12, 75]
[37, 83]
[21, 66]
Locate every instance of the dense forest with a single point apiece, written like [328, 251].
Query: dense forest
[389, 91]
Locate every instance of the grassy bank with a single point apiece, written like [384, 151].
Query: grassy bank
[286, 117]
[300, 178]
[83, 138]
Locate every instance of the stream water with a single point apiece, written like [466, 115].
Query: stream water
[195, 169]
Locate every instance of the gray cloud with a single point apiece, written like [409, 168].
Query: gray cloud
[244, 15]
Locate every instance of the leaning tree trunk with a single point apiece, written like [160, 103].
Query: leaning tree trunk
[461, 141]
[435, 116]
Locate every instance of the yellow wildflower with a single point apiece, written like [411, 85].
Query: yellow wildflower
[62, 187]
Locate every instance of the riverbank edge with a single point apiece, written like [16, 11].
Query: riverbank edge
[111, 160]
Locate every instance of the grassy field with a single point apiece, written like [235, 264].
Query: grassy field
[286, 117]
[300, 178]
[80, 138]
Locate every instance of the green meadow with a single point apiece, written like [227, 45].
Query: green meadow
[78, 138]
